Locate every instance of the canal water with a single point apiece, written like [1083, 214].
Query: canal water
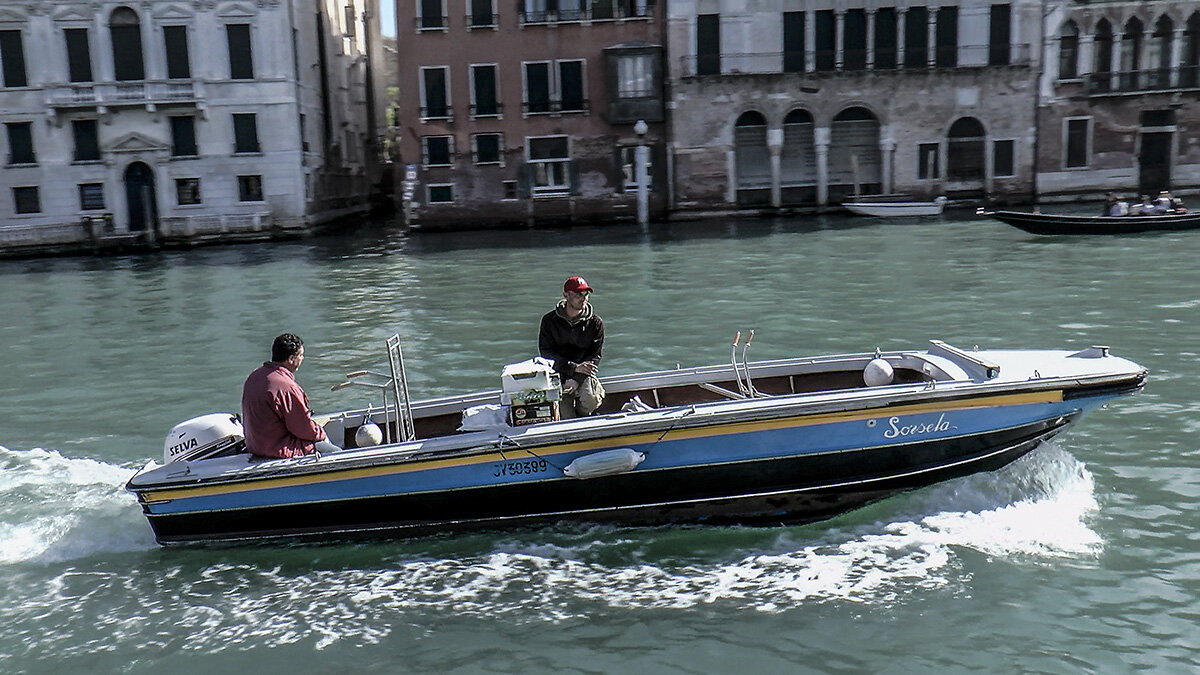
[1081, 557]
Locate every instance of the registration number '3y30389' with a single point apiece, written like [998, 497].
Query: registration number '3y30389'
[521, 467]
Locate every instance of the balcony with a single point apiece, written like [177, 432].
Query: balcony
[555, 107]
[598, 11]
[122, 94]
[1134, 82]
[772, 63]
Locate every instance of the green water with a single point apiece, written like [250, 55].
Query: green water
[1081, 557]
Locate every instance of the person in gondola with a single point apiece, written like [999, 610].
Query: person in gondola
[1110, 204]
[572, 335]
[1177, 205]
[1143, 208]
[1120, 207]
[1162, 204]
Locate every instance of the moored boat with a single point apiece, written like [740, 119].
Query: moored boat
[1044, 223]
[894, 206]
[797, 440]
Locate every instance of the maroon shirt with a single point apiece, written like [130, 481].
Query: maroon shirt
[275, 414]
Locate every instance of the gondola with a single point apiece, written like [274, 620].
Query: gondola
[791, 440]
[1043, 223]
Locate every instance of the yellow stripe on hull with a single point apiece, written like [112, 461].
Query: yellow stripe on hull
[632, 439]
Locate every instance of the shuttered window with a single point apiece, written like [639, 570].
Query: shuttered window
[241, 57]
[79, 57]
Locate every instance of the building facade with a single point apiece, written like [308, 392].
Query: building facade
[784, 103]
[1118, 105]
[165, 119]
[525, 112]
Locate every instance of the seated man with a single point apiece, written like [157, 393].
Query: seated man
[275, 413]
[572, 335]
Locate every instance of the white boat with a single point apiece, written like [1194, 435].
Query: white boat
[797, 439]
[882, 206]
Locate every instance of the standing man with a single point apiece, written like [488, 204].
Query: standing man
[275, 410]
[572, 336]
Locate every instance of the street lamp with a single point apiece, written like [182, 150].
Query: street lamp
[642, 159]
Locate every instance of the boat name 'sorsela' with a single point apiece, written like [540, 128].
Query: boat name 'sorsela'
[897, 430]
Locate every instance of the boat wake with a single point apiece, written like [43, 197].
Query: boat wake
[1034, 510]
[55, 508]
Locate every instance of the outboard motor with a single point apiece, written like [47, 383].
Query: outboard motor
[205, 437]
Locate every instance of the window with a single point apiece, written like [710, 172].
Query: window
[351, 20]
[432, 14]
[79, 57]
[179, 66]
[635, 76]
[916, 37]
[12, 58]
[250, 188]
[708, 44]
[1002, 159]
[1000, 35]
[436, 151]
[483, 91]
[570, 86]
[183, 136]
[927, 161]
[549, 162]
[885, 39]
[793, 42]
[241, 57]
[565, 92]
[511, 189]
[87, 145]
[627, 157]
[26, 200]
[441, 194]
[1068, 52]
[187, 190]
[20, 143]
[537, 87]
[245, 133]
[946, 33]
[486, 148]
[854, 39]
[126, 31]
[483, 15]
[435, 99]
[1077, 132]
[91, 197]
[826, 40]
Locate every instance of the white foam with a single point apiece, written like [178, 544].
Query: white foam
[59, 508]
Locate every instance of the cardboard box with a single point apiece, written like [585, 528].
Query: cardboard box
[520, 415]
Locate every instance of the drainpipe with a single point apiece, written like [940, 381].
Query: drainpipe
[1037, 99]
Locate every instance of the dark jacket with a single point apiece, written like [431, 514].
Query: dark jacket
[568, 342]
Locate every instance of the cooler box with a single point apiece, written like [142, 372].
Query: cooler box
[529, 382]
[520, 415]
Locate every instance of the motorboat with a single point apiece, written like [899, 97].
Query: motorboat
[1045, 223]
[764, 442]
[894, 206]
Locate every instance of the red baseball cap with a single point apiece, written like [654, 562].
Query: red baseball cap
[577, 285]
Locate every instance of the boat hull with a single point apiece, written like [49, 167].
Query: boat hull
[894, 209]
[796, 470]
[1039, 223]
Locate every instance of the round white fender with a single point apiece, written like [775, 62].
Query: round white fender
[605, 463]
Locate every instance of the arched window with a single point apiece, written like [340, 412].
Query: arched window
[965, 157]
[855, 162]
[1068, 51]
[798, 159]
[751, 157]
[1103, 45]
[1190, 68]
[126, 32]
[1158, 54]
[1131, 54]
